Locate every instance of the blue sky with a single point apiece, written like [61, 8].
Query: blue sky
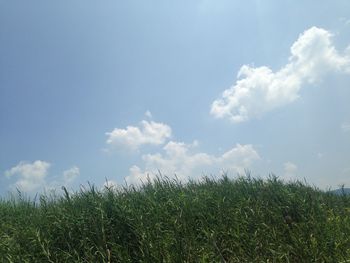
[122, 89]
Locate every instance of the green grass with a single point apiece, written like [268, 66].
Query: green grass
[241, 220]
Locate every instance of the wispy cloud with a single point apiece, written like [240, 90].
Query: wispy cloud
[345, 127]
[132, 137]
[185, 162]
[320, 155]
[259, 90]
[345, 21]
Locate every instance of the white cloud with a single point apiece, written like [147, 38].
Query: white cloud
[31, 176]
[148, 114]
[65, 179]
[259, 90]
[136, 175]
[110, 184]
[345, 127]
[133, 137]
[70, 175]
[179, 159]
[239, 158]
[290, 171]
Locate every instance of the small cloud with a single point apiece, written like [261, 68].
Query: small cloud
[30, 176]
[320, 155]
[71, 174]
[65, 179]
[259, 90]
[110, 184]
[290, 170]
[345, 21]
[345, 127]
[148, 114]
[136, 176]
[178, 159]
[132, 137]
[195, 143]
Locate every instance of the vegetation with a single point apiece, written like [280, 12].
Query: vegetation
[240, 220]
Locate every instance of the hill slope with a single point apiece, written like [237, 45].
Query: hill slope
[242, 220]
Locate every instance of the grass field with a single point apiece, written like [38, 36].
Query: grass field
[238, 220]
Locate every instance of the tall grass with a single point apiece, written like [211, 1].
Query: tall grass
[240, 220]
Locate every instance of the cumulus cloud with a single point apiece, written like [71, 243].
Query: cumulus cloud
[132, 137]
[110, 184]
[148, 114]
[182, 160]
[259, 90]
[71, 174]
[31, 176]
[290, 171]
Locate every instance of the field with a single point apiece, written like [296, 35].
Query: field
[226, 220]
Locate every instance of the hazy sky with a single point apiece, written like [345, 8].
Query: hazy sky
[118, 90]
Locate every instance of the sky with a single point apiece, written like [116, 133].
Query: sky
[115, 92]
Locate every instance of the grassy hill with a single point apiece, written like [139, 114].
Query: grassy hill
[241, 220]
